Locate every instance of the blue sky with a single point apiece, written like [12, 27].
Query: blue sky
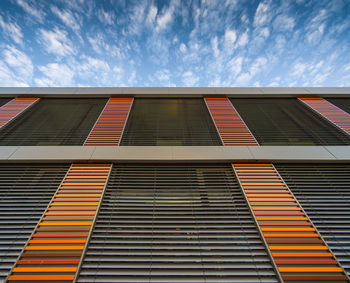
[174, 43]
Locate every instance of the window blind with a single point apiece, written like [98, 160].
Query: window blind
[175, 223]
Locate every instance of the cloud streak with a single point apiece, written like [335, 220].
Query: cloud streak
[175, 42]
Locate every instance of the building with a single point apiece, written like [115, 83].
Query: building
[175, 184]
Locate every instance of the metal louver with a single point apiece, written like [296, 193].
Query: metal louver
[25, 192]
[175, 223]
[324, 192]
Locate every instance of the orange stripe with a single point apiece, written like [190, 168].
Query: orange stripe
[108, 128]
[329, 111]
[310, 269]
[275, 207]
[45, 269]
[41, 278]
[58, 235]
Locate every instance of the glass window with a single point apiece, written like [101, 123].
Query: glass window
[170, 122]
[54, 122]
[285, 121]
[3, 101]
[342, 103]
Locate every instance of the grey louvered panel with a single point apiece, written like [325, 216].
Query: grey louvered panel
[25, 191]
[324, 192]
[175, 223]
[170, 122]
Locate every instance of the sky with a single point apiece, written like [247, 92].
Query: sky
[174, 43]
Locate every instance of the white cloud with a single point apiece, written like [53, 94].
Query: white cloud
[235, 66]
[16, 69]
[230, 38]
[9, 78]
[315, 29]
[137, 18]
[189, 79]
[243, 39]
[151, 16]
[19, 61]
[257, 66]
[264, 33]
[29, 7]
[67, 18]
[94, 66]
[12, 30]
[183, 48]
[299, 69]
[284, 23]
[166, 16]
[55, 75]
[262, 15]
[214, 46]
[107, 18]
[99, 45]
[56, 42]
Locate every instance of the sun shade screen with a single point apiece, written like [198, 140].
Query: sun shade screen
[54, 122]
[170, 122]
[55, 249]
[286, 121]
[15, 107]
[324, 192]
[175, 223]
[109, 127]
[231, 127]
[25, 192]
[329, 111]
[298, 250]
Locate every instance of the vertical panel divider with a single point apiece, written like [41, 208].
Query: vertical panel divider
[37, 224]
[126, 121]
[92, 227]
[258, 227]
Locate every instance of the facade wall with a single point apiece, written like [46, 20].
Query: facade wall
[203, 185]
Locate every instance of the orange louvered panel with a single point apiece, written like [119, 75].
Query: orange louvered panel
[328, 110]
[231, 127]
[297, 248]
[110, 125]
[15, 107]
[57, 244]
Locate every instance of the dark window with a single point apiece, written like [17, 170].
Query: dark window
[287, 122]
[178, 223]
[54, 122]
[3, 101]
[170, 122]
[323, 190]
[25, 192]
[342, 103]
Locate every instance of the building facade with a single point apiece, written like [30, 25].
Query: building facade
[175, 184]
